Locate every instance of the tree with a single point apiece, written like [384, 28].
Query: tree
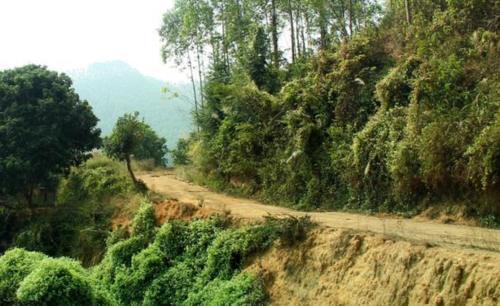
[44, 129]
[133, 137]
[258, 67]
[180, 153]
[152, 147]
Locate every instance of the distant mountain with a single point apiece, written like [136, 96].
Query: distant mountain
[114, 88]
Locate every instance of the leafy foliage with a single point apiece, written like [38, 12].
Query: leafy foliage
[394, 116]
[15, 265]
[197, 263]
[44, 129]
[28, 278]
[80, 221]
[180, 153]
[58, 282]
[132, 137]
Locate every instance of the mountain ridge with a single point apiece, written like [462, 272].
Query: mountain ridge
[114, 88]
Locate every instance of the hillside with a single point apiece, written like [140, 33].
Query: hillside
[335, 153]
[114, 88]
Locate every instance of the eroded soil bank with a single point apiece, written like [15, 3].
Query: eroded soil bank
[356, 260]
[343, 267]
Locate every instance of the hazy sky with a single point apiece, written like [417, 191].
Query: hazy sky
[71, 34]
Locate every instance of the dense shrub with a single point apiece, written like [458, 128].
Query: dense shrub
[172, 287]
[80, 221]
[58, 282]
[15, 265]
[180, 155]
[31, 278]
[242, 290]
[484, 157]
[398, 117]
[371, 179]
[181, 263]
[144, 221]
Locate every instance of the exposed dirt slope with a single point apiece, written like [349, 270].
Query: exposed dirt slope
[341, 267]
[456, 236]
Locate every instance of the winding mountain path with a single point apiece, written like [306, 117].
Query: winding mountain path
[454, 236]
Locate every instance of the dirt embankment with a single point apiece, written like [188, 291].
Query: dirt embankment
[357, 260]
[341, 267]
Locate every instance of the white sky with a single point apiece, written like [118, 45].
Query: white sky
[71, 34]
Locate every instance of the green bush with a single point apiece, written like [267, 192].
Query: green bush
[80, 221]
[144, 221]
[484, 157]
[290, 230]
[57, 282]
[170, 239]
[15, 265]
[180, 155]
[196, 263]
[395, 88]
[131, 283]
[370, 177]
[122, 252]
[172, 287]
[243, 290]
[97, 179]
[231, 249]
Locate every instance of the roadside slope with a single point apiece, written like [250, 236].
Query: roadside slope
[456, 236]
[344, 267]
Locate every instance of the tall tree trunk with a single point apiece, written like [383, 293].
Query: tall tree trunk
[274, 33]
[29, 196]
[200, 73]
[343, 19]
[408, 11]
[193, 83]
[307, 26]
[303, 35]
[129, 168]
[292, 29]
[225, 51]
[298, 28]
[351, 14]
[323, 32]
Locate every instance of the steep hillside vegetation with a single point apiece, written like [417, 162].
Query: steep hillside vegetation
[76, 219]
[389, 113]
[198, 263]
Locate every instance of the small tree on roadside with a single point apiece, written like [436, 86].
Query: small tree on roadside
[180, 154]
[133, 137]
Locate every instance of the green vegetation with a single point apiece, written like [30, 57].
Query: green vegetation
[53, 198]
[132, 137]
[180, 155]
[44, 129]
[197, 263]
[391, 110]
[114, 89]
[79, 222]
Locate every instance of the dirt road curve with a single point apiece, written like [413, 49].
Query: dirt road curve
[456, 236]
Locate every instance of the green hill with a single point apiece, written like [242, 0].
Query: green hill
[114, 88]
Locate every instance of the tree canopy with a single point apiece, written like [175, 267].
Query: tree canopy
[44, 129]
[132, 137]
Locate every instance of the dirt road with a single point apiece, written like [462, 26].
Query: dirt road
[455, 236]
